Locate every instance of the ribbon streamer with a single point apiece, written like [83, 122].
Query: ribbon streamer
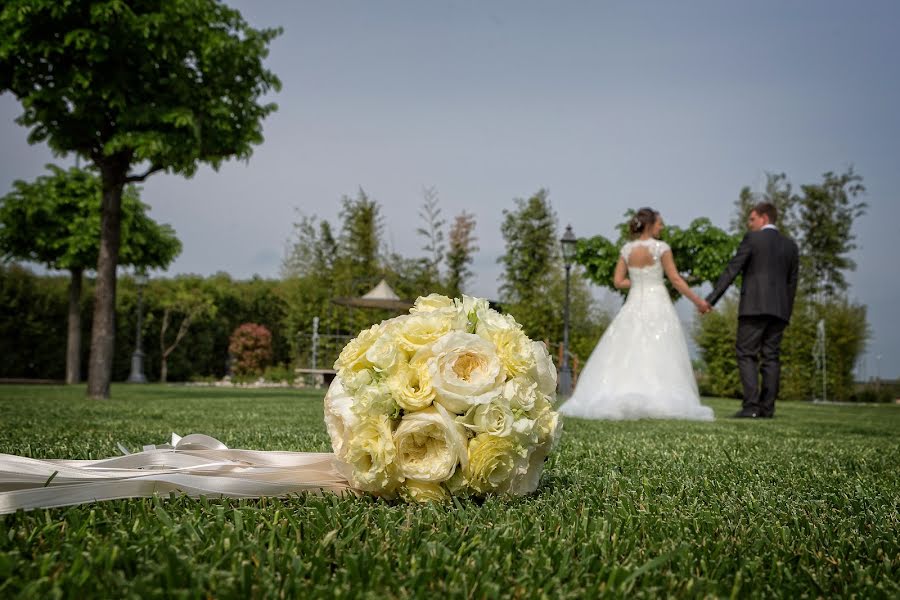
[195, 465]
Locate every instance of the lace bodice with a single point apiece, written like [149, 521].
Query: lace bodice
[647, 275]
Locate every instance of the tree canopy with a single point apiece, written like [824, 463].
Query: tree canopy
[137, 88]
[55, 220]
[827, 211]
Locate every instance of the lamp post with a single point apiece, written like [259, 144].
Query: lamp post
[568, 242]
[137, 359]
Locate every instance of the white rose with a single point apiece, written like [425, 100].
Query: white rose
[468, 304]
[465, 370]
[527, 479]
[543, 371]
[431, 302]
[547, 429]
[429, 445]
[353, 381]
[521, 393]
[494, 418]
[524, 428]
[340, 420]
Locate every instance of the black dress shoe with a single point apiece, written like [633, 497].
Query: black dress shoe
[746, 415]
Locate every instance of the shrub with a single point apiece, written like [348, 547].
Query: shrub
[846, 333]
[251, 348]
[279, 374]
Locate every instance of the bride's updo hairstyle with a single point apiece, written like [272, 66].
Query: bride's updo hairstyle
[642, 220]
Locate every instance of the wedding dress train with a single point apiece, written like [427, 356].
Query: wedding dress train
[641, 367]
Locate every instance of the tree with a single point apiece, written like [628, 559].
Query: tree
[701, 252]
[312, 250]
[531, 247]
[136, 88]
[461, 254]
[779, 193]
[359, 243]
[533, 280]
[432, 231]
[191, 300]
[827, 212]
[55, 220]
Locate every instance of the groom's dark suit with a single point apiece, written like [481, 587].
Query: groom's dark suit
[768, 262]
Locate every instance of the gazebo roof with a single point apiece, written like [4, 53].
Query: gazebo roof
[380, 296]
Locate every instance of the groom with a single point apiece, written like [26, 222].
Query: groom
[768, 262]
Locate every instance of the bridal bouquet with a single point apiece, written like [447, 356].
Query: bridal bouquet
[450, 399]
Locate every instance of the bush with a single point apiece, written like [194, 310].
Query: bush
[846, 332]
[251, 348]
[33, 312]
[872, 393]
[279, 374]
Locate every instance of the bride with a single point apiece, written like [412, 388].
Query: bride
[641, 367]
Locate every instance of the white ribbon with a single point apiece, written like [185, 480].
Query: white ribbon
[194, 465]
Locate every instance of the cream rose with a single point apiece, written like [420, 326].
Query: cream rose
[490, 322]
[371, 453]
[385, 354]
[431, 302]
[373, 400]
[423, 491]
[353, 381]
[465, 370]
[353, 356]
[429, 445]
[514, 349]
[548, 427]
[410, 386]
[422, 329]
[494, 462]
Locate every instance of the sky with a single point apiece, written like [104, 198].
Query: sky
[608, 105]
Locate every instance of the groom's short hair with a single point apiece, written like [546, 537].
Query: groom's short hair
[768, 209]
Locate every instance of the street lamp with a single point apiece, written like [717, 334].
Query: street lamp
[137, 359]
[568, 243]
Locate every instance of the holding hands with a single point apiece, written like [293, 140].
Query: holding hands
[703, 306]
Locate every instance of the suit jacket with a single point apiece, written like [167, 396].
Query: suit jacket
[768, 262]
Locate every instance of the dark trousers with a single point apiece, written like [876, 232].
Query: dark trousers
[758, 354]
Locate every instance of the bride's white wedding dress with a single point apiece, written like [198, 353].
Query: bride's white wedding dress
[641, 367]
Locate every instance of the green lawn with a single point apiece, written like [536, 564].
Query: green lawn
[805, 505]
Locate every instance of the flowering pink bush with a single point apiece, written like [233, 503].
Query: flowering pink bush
[251, 348]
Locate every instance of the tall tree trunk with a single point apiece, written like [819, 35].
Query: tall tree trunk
[163, 370]
[103, 330]
[73, 341]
